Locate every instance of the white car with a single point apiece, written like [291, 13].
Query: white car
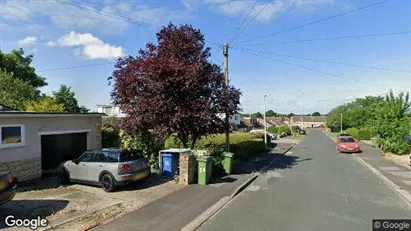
[273, 136]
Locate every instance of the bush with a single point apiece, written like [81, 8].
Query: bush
[273, 129]
[361, 134]
[148, 147]
[110, 136]
[243, 145]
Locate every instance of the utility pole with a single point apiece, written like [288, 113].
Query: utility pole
[303, 121]
[341, 123]
[227, 120]
[265, 123]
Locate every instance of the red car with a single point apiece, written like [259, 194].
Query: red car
[348, 144]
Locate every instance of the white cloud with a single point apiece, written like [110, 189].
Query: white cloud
[264, 11]
[30, 40]
[90, 46]
[105, 20]
[51, 44]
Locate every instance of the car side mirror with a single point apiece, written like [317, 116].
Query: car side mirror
[75, 161]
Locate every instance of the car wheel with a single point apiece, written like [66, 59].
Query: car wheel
[107, 183]
[64, 176]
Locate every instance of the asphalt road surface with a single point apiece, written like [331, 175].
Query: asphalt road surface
[314, 188]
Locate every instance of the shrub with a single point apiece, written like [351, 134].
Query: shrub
[295, 128]
[148, 147]
[273, 129]
[243, 145]
[110, 136]
[361, 134]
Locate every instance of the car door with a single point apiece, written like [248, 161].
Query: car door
[96, 166]
[82, 166]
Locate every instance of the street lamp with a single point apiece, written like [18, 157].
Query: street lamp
[265, 122]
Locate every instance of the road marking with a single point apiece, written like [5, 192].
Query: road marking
[253, 188]
[402, 174]
[390, 168]
[289, 152]
[343, 217]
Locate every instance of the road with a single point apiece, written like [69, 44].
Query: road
[314, 188]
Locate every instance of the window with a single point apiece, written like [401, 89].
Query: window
[112, 157]
[12, 136]
[86, 157]
[100, 157]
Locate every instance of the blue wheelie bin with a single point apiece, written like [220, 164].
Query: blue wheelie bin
[169, 164]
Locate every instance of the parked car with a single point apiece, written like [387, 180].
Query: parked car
[302, 132]
[347, 144]
[273, 136]
[108, 168]
[8, 187]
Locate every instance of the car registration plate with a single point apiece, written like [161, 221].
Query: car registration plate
[140, 176]
[350, 149]
[2, 185]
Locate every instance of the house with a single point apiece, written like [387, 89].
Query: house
[308, 121]
[5, 108]
[110, 110]
[234, 119]
[33, 144]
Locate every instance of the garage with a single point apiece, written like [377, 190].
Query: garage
[61, 147]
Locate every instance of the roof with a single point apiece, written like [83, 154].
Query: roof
[309, 118]
[277, 121]
[46, 114]
[6, 108]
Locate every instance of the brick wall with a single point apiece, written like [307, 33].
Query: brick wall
[24, 170]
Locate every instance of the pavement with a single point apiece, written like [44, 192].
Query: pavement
[396, 173]
[176, 210]
[313, 188]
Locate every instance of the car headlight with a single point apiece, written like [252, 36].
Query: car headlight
[343, 146]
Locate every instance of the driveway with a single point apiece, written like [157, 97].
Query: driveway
[314, 188]
[77, 207]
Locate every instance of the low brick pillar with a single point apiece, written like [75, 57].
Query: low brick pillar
[188, 168]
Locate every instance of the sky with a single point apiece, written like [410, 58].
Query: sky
[284, 48]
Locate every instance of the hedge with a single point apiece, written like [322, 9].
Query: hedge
[110, 136]
[243, 145]
[361, 134]
[279, 130]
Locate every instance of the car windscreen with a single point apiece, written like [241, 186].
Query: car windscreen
[130, 156]
[347, 140]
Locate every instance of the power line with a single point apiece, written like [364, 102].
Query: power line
[332, 62]
[114, 15]
[252, 20]
[309, 68]
[314, 22]
[75, 67]
[333, 38]
[242, 23]
[97, 65]
[107, 13]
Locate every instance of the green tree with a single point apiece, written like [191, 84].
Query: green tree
[67, 98]
[290, 115]
[245, 115]
[271, 113]
[45, 104]
[257, 115]
[15, 62]
[316, 114]
[14, 92]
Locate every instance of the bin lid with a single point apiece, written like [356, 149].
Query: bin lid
[228, 154]
[167, 155]
[204, 158]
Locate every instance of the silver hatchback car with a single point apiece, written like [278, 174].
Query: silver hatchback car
[107, 168]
